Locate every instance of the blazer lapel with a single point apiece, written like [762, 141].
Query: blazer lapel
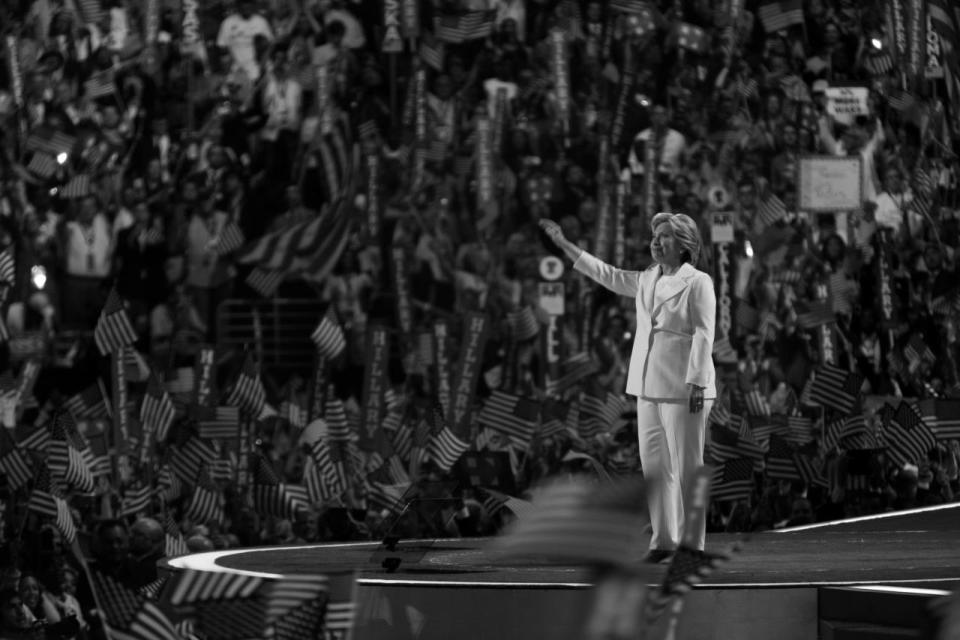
[674, 286]
[649, 287]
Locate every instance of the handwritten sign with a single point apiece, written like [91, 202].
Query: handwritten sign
[828, 183]
[846, 103]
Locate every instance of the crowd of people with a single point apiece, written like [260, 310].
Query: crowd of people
[137, 138]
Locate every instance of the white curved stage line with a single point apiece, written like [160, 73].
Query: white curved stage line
[875, 516]
[207, 561]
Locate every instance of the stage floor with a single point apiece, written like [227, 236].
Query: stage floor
[919, 548]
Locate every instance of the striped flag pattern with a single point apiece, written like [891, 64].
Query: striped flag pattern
[446, 448]
[274, 498]
[188, 459]
[135, 500]
[157, 411]
[113, 330]
[130, 615]
[757, 404]
[314, 246]
[942, 415]
[229, 239]
[13, 462]
[461, 28]
[248, 393]
[815, 313]
[523, 324]
[64, 459]
[42, 165]
[50, 142]
[89, 404]
[265, 282]
[771, 209]
[224, 424]
[329, 337]
[907, 438]
[325, 474]
[733, 480]
[206, 503]
[100, 85]
[511, 415]
[688, 567]
[833, 387]
[77, 187]
[780, 460]
[174, 544]
[335, 415]
[780, 14]
[432, 52]
[47, 501]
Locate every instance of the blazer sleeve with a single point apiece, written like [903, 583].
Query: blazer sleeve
[703, 316]
[621, 281]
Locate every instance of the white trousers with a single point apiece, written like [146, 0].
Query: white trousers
[671, 450]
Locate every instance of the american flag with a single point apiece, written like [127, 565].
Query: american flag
[13, 462]
[771, 209]
[222, 423]
[64, 458]
[942, 415]
[733, 480]
[113, 330]
[908, 439]
[248, 393]
[157, 411]
[206, 503]
[432, 52]
[304, 621]
[135, 500]
[229, 239]
[780, 460]
[91, 11]
[575, 368]
[188, 459]
[314, 246]
[8, 267]
[512, 415]
[89, 404]
[50, 142]
[446, 448]
[274, 498]
[325, 473]
[723, 351]
[173, 545]
[878, 64]
[77, 187]
[757, 404]
[901, 100]
[265, 282]
[635, 7]
[464, 27]
[100, 85]
[42, 165]
[814, 313]
[46, 500]
[600, 414]
[833, 387]
[335, 416]
[581, 521]
[917, 352]
[329, 337]
[811, 470]
[726, 444]
[386, 498]
[493, 501]
[780, 14]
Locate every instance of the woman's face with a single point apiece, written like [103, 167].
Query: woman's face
[664, 248]
[30, 591]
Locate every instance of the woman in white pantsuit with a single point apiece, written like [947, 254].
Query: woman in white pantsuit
[671, 368]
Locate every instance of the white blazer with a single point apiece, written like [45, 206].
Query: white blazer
[673, 342]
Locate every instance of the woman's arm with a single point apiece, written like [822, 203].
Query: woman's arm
[703, 314]
[620, 281]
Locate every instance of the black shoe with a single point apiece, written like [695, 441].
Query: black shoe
[656, 556]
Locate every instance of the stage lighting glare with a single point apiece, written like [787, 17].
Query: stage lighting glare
[877, 43]
[38, 276]
[748, 249]
[62, 157]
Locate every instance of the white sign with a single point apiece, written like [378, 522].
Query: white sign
[846, 103]
[551, 268]
[721, 230]
[829, 183]
[552, 298]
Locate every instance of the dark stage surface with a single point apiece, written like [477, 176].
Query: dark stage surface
[915, 548]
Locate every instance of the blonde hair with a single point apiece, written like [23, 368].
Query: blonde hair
[686, 232]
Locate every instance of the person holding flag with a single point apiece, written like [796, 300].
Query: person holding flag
[671, 368]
